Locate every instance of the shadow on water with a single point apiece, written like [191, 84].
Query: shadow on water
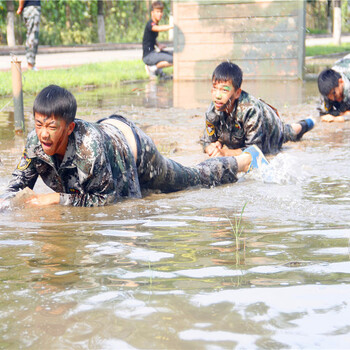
[164, 271]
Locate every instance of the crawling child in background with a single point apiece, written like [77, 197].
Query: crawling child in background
[334, 87]
[236, 120]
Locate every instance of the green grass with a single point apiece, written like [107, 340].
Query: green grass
[326, 49]
[236, 226]
[96, 74]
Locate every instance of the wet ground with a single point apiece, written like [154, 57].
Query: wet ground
[165, 271]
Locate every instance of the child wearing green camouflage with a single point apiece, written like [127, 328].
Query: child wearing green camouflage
[93, 164]
[236, 120]
[334, 86]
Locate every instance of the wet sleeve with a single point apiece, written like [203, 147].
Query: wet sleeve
[210, 133]
[253, 127]
[25, 175]
[99, 187]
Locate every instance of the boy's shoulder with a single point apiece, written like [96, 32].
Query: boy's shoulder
[85, 131]
[89, 141]
[150, 23]
[246, 98]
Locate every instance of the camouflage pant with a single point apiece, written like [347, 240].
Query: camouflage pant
[160, 173]
[31, 15]
[288, 133]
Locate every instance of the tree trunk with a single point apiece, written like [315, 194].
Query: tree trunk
[329, 17]
[11, 24]
[101, 22]
[337, 22]
[68, 24]
[148, 7]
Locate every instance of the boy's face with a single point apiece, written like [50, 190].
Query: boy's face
[157, 14]
[337, 93]
[53, 134]
[224, 95]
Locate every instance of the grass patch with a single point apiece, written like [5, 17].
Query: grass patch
[320, 50]
[237, 227]
[95, 74]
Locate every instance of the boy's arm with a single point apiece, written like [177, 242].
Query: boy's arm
[210, 139]
[25, 175]
[329, 118]
[20, 7]
[98, 190]
[253, 127]
[161, 28]
[102, 186]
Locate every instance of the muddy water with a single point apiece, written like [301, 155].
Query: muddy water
[163, 272]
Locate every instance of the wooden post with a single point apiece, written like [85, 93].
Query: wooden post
[17, 95]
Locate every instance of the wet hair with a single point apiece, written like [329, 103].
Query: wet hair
[328, 80]
[228, 71]
[56, 101]
[157, 5]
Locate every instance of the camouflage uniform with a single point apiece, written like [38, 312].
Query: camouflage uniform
[31, 15]
[252, 121]
[335, 108]
[99, 168]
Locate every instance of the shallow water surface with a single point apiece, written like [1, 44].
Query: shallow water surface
[165, 271]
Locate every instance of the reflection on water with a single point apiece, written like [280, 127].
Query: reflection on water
[165, 271]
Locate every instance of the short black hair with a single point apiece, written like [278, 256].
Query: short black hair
[157, 5]
[228, 71]
[328, 80]
[56, 101]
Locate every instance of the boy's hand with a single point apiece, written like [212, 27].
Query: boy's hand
[216, 149]
[328, 118]
[212, 147]
[43, 199]
[226, 152]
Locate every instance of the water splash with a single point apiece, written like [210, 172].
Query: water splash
[284, 169]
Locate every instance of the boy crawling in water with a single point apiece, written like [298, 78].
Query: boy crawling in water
[93, 164]
[334, 86]
[236, 120]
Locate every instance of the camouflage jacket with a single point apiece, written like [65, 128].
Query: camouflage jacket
[98, 167]
[335, 108]
[252, 121]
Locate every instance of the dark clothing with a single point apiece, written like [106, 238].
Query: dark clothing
[251, 122]
[99, 168]
[154, 57]
[31, 3]
[149, 38]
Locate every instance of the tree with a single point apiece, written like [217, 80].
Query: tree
[337, 22]
[11, 23]
[101, 22]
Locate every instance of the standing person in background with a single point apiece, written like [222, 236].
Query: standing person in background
[31, 13]
[154, 60]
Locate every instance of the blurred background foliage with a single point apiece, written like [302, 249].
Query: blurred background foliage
[319, 16]
[74, 22]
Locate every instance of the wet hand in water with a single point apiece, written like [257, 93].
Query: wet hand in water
[43, 199]
[328, 118]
